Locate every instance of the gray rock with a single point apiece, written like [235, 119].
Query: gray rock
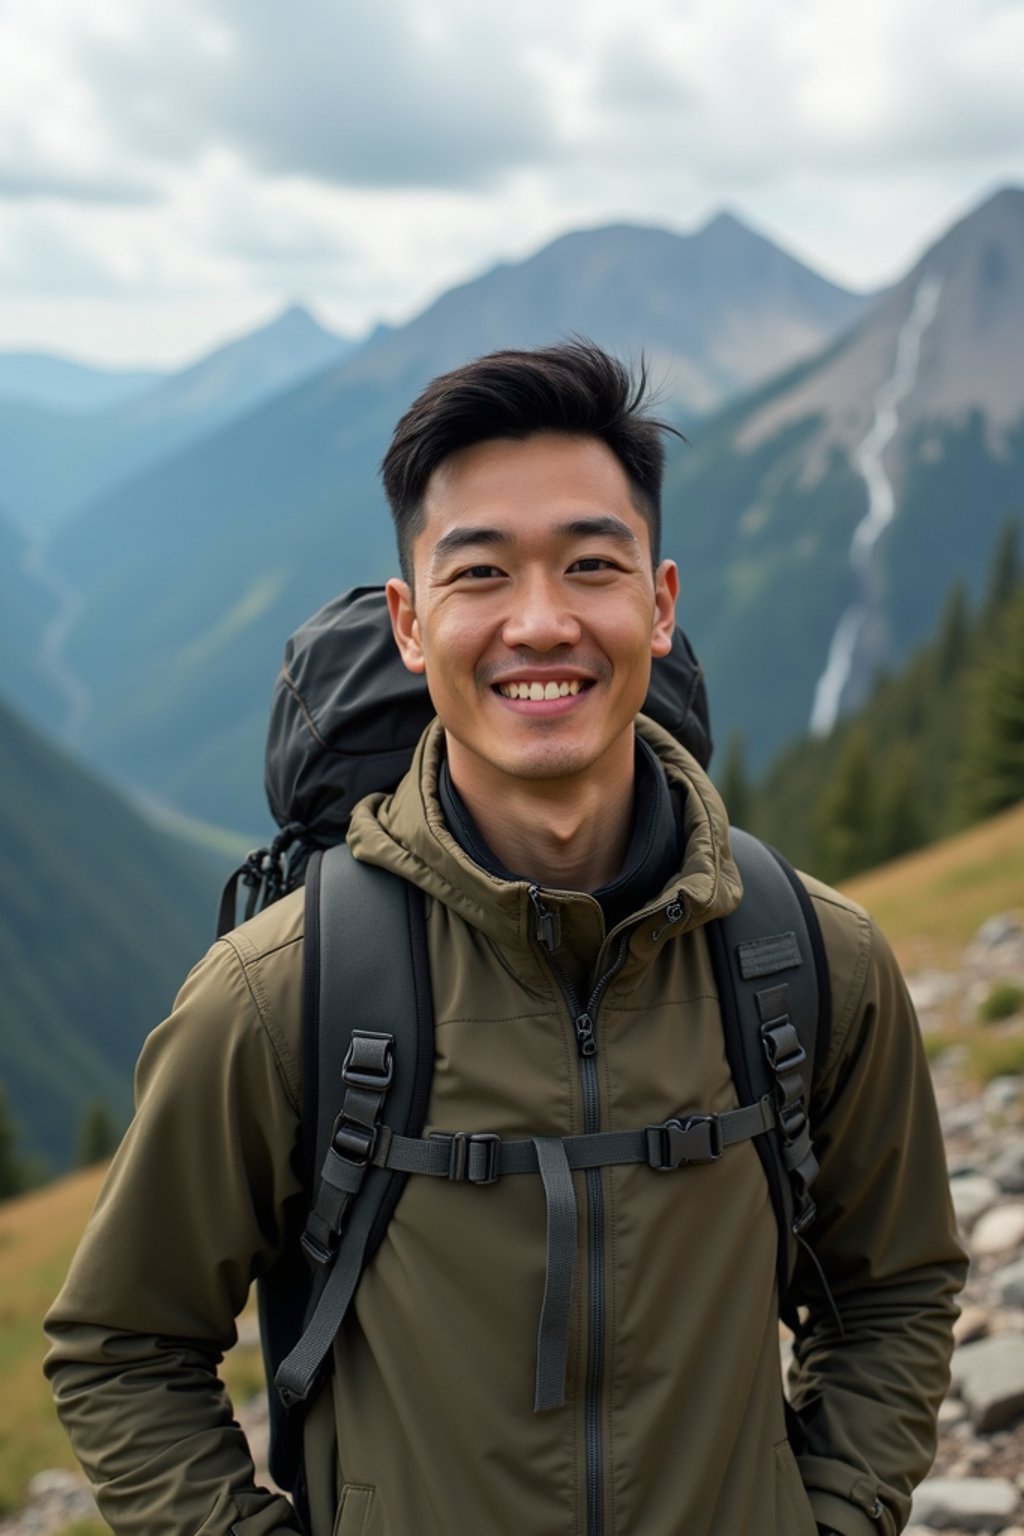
[962, 1118]
[973, 1194]
[989, 1378]
[1001, 1094]
[929, 989]
[966, 1503]
[1003, 928]
[1007, 1167]
[1008, 1284]
[1000, 1230]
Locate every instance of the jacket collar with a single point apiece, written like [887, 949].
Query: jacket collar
[407, 832]
[652, 856]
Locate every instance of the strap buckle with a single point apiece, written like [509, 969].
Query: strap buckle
[474, 1157]
[353, 1141]
[782, 1047]
[677, 1143]
[369, 1061]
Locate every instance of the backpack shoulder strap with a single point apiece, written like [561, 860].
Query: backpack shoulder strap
[365, 964]
[772, 976]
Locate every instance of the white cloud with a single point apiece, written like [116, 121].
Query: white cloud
[370, 156]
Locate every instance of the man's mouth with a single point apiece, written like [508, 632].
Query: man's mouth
[536, 692]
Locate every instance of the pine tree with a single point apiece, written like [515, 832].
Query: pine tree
[1004, 572]
[12, 1172]
[954, 635]
[846, 814]
[992, 773]
[735, 785]
[97, 1136]
[900, 823]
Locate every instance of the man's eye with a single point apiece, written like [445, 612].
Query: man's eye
[481, 572]
[591, 563]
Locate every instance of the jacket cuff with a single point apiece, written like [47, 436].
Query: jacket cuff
[834, 1514]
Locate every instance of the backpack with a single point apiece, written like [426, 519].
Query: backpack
[345, 719]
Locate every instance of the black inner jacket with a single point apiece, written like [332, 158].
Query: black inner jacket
[653, 855]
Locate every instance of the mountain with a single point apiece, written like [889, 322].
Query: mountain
[29, 606]
[100, 918]
[63, 385]
[820, 523]
[716, 311]
[194, 573]
[56, 463]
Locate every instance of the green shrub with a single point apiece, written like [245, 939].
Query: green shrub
[1005, 999]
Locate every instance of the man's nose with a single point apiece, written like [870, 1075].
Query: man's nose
[541, 617]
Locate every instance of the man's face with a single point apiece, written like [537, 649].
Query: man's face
[536, 611]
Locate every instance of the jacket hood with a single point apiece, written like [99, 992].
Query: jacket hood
[406, 832]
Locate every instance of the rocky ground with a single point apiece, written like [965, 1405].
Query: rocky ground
[977, 1484]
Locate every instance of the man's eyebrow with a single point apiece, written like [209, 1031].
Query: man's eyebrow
[605, 527]
[462, 538]
[601, 527]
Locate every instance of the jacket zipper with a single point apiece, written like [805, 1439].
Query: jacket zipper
[584, 1026]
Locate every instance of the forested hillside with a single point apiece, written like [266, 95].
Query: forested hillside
[100, 917]
[939, 745]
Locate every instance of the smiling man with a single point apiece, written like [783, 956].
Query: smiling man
[592, 1349]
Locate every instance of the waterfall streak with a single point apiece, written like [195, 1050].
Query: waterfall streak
[867, 460]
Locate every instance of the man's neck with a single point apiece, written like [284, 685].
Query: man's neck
[562, 834]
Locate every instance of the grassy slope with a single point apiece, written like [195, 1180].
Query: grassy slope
[38, 1235]
[930, 904]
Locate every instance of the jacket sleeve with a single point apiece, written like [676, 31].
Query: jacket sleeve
[190, 1212]
[867, 1393]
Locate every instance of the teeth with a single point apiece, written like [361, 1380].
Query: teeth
[539, 691]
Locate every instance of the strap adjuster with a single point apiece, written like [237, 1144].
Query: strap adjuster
[317, 1252]
[474, 1157]
[353, 1141]
[783, 1047]
[369, 1061]
[697, 1139]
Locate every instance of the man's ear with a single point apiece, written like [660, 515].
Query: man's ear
[666, 591]
[404, 624]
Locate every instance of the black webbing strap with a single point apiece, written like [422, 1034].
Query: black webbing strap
[367, 1073]
[482, 1158]
[787, 1059]
[559, 1273]
[358, 913]
[772, 976]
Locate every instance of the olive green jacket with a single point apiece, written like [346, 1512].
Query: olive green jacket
[673, 1423]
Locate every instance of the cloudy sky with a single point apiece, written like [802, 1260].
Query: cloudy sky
[171, 174]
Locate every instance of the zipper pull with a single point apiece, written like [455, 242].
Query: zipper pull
[548, 928]
[586, 1042]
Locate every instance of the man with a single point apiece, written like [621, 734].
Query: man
[571, 854]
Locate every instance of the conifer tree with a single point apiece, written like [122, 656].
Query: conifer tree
[992, 774]
[97, 1136]
[1004, 572]
[901, 822]
[846, 814]
[735, 785]
[954, 635]
[12, 1172]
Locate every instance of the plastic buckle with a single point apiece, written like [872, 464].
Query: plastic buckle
[319, 1253]
[474, 1157]
[792, 1119]
[353, 1141]
[360, 1068]
[784, 1055]
[697, 1139]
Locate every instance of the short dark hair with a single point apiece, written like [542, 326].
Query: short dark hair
[575, 388]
